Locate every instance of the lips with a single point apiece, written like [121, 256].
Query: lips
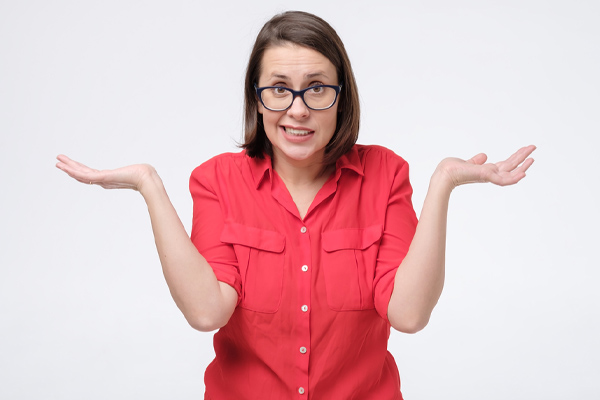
[297, 132]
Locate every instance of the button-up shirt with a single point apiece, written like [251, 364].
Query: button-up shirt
[313, 292]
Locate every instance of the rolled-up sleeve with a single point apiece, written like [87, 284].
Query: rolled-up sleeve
[399, 229]
[207, 225]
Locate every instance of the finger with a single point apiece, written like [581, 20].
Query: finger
[517, 174]
[66, 160]
[516, 159]
[506, 179]
[73, 164]
[75, 174]
[82, 180]
[81, 174]
[479, 159]
[525, 166]
[62, 157]
[510, 178]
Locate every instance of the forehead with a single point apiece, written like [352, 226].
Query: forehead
[293, 62]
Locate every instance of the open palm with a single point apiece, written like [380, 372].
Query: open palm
[502, 173]
[130, 177]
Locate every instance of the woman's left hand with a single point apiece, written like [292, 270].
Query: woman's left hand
[503, 173]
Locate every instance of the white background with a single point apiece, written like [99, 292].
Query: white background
[85, 312]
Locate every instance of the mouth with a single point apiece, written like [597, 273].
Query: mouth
[297, 132]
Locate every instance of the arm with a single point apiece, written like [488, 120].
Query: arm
[420, 278]
[206, 303]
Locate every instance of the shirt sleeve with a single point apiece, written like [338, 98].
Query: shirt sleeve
[399, 229]
[207, 225]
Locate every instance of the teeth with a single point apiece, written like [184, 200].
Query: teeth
[296, 132]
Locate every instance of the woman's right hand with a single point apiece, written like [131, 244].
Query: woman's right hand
[130, 177]
[206, 303]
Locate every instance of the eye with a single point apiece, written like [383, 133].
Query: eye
[279, 91]
[316, 87]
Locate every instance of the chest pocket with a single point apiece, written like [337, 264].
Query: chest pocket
[349, 260]
[260, 254]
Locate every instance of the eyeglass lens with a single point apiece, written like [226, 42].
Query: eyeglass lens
[280, 98]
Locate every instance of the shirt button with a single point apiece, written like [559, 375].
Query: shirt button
[303, 229]
[301, 390]
[305, 268]
[302, 349]
[305, 308]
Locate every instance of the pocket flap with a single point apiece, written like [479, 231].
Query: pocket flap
[353, 238]
[253, 237]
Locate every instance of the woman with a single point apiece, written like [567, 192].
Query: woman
[305, 248]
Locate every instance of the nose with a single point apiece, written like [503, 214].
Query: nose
[298, 110]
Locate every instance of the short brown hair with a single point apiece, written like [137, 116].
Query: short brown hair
[310, 31]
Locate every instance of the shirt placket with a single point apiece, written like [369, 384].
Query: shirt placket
[303, 278]
[302, 270]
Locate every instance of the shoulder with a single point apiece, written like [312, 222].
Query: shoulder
[218, 163]
[220, 160]
[375, 156]
[216, 168]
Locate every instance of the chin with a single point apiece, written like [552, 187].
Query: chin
[300, 154]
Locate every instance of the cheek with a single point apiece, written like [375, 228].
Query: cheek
[268, 118]
[332, 120]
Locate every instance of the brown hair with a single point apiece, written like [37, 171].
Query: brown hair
[310, 31]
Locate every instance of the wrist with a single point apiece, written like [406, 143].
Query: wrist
[149, 181]
[442, 179]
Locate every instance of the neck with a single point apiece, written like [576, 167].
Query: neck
[299, 173]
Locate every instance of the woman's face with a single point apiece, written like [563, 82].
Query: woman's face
[298, 135]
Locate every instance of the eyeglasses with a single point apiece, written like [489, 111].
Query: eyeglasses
[279, 98]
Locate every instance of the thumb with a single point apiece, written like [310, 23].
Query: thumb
[479, 159]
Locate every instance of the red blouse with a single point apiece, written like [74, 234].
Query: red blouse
[311, 320]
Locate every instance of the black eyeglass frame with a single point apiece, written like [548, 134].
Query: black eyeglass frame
[296, 93]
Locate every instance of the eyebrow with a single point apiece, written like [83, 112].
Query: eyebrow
[309, 76]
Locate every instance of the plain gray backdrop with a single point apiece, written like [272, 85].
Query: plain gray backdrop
[85, 312]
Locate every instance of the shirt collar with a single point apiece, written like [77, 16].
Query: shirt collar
[350, 160]
[259, 168]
